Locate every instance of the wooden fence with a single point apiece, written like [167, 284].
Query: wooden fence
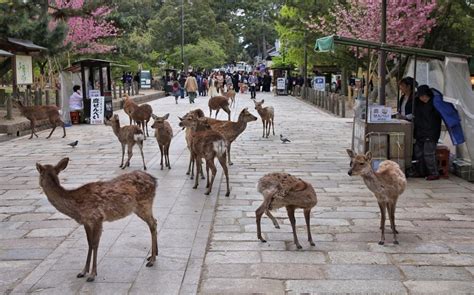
[331, 102]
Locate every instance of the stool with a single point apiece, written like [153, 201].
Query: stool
[75, 117]
[442, 157]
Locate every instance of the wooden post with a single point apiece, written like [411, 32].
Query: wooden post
[46, 93]
[58, 99]
[120, 91]
[128, 89]
[39, 97]
[337, 98]
[114, 89]
[9, 105]
[3, 97]
[343, 106]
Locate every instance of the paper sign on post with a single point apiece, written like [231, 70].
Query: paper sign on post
[97, 110]
[94, 93]
[319, 83]
[380, 113]
[281, 84]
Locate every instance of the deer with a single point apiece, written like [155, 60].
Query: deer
[129, 106]
[387, 184]
[207, 144]
[142, 115]
[163, 134]
[199, 114]
[219, 102]
[127, 135]
[230, 94]
[267, 114]
[285, 190]
[36, 113]
[94, 203]
[231, 130]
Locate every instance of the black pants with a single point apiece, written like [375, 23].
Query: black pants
[252, 92]
[425, 154]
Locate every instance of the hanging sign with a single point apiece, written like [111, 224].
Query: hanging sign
[97, 110]
[24, 69]
[319, 83]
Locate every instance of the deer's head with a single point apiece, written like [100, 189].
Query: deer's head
[159, 121]
[246, 116]
[49, 173]
[112, 120]
[360, 164]
[258, 104]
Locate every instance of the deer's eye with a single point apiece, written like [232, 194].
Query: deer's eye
[361, 164]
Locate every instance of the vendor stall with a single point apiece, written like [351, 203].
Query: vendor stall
[280, 76]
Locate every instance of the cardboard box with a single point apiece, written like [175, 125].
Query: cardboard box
[464, 169]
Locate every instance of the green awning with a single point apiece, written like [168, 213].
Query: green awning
[324, 44]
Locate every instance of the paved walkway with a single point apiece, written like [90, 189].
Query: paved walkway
[41, 250]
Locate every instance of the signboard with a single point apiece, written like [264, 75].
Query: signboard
[422, 72]
[97, 110]
[380, 114]
[24, 69]
[319, 83]
[94, 93]
[281, 83]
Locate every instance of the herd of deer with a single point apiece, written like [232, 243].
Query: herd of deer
[207, 138]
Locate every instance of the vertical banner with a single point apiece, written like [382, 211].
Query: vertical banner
[24, 69]
[97, 110]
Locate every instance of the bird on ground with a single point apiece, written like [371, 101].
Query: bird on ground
[73, 144]
[284, 139]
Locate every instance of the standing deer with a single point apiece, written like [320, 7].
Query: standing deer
[129, 106]
[36, 113]
[198, 113]
[207, 144]
[127, 135]
[163, 134]
[96, 202]
[219, 102]
[284, 190]
[267, 114]
[142, 115]
[387, 184]
[231, 130]
[230, 94]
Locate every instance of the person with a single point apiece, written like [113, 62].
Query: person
[427, 123]
[191, 87]
[228, 81]
[182, 80]
[213, 86]
[205, 86]
[253, 84]
[267, 81]
[235, 81]
[176, 91]
[405, 104]
[220, 83]
[75, 101]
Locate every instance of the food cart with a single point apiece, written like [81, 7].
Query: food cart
[280, 76]
[373, 128]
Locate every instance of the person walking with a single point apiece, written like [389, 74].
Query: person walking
[253, 80]
[191, 87]
[182, 80]
[176, 90]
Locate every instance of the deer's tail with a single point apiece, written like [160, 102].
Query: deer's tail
[219, 147]
[138, 136]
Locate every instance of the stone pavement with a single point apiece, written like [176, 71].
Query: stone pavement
[209, 244]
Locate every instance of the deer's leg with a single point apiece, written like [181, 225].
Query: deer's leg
[213, 168]
[291, 216]
[140, 146]
[161, 153]
[258, 217]
[268, 128]
[307, 217]
[227, 110]
[217, 112]
[96, 233]
[129, 155]
[146, 127]
[391, 215]
[167, 154]
[88, 230]
[51, 133]
[198, 167]
[228, 153]
[207, 175]
[263, 123]
[201, 171]
[64, 128]
[210, 112]
[273, 127]
[191, 165]
[123, 154]
[130, 117]
[383, 207]
[273, 219]
[146, 214]
[32, 126]
[222, 161]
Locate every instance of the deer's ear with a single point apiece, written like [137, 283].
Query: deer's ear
[167, 116]
[61, 165]
[181, 119]
[368, 155]
[350, 153]
[154, 116]
[39, 167]
[263, 100]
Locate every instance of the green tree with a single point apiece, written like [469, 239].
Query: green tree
[206, 54]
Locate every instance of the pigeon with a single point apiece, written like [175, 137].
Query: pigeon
[284, 139]
[73, 144]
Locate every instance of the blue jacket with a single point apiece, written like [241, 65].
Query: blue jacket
[450, 116]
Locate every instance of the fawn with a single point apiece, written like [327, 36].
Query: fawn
[231, 130]
[219, 102]
[207, 144]
[141, 115]
[36, 113]
[284, 190]
[387, 184]
[127, 135]
[199, 114]
[129, 106]
[93, 203]
[163, 134]
[267, 114]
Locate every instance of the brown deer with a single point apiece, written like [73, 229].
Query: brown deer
[284, 190]
[36, 113]
[219, 102]
[207, 144]
[129, 106]
[230, 94]
[96, 202]
[142, 115]
[199, 114]
[387, 184]
[127, 135]
[267, 114]
[231, 130]
[163, 134]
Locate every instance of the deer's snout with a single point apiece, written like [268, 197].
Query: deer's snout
[349, 172]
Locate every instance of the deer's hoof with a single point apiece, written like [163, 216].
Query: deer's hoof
[187, 173]
[169, 167]
[262, 240]
[298, 246]
[161, 167]
[227, 194]
[151, 261]
[90, 279]
[81, 275]
[396, 231]
[207, 193]
[396, 243]
[64, 136]
[192, 177]
[195, 187]
[312, 243]
[277, 226]
[144, 167]
[381, 242]
[230, 163]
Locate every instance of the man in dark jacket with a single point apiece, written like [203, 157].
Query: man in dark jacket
[427, 132]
